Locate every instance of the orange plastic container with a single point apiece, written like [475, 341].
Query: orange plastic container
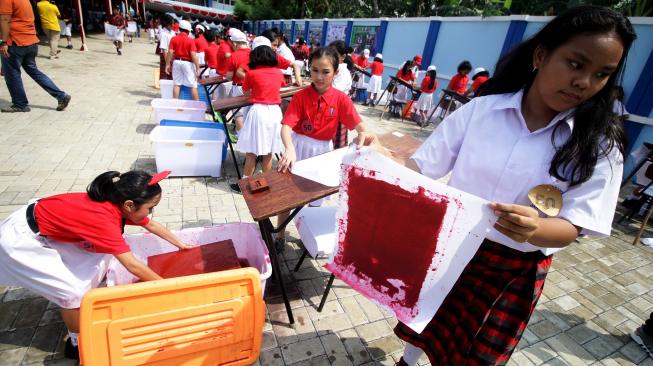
[207, 319]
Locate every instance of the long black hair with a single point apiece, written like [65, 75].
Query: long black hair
[406, 68]
[262, 56]
[433, 75]
[465, 65]
[118, 188]
[596, 129]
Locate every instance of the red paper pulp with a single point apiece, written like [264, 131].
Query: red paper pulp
[207, 258]
[391, 237]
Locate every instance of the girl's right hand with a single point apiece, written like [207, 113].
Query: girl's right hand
[287, 160]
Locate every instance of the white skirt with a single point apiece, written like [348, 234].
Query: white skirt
[261, 133]
[403, 93]
[425, 102]
[237, 91]
[200, 58]
[183, 73]
[360, 84]
[374, 86]
[307, 147]
[61, 272]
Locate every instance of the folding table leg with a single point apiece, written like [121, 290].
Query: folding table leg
[326, 292]
[226, 131]
[301, 260]
[266, 232]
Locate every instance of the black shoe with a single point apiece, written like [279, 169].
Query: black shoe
[70, 47]
[71, 351]
[118, 50]
[235, 187]
[63, 103]
[15, 109]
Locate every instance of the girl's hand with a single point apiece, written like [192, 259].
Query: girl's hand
[365, 138]
[168, 69]
[299, 82]
[287, 160]
[184, 246]
[517, 222]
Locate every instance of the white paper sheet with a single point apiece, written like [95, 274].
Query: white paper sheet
[464, 226]
[111, 31]
[324, 168]
[131, 27]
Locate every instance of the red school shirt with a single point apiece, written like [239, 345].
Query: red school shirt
[201, 44]
[425, 85]
[458, 83]
[182, 46]
[74, 218]
[377, 68]
[478, 82]
[362, 61]
[282, 62]
[409, 76]
[223, 49]
[211, 56]
[239, 58]
[264, 82]
[317, 116]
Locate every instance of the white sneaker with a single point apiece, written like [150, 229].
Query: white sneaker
[648, 242]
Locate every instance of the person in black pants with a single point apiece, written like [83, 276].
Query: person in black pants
[644, 335]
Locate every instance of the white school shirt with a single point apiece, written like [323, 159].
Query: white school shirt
[491, 153]
[164, 40]
[342, 81]
[286, 53]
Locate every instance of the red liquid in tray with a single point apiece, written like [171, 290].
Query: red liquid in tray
[206, 258]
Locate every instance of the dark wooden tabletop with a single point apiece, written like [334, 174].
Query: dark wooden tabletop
[461, 98]
[244, 101]
[287, 191]
[362, 70]
[212, 81]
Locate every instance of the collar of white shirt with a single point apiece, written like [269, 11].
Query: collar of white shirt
[515, 102]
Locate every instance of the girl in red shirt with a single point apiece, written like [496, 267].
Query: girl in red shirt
[311, 120]
[374, 86]
[59, 247]
[480, 76]
[429, 84]
[362, 61]
[459, 81]
[405, 74]
[261, 132]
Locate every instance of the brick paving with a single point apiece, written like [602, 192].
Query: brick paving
[597, 292]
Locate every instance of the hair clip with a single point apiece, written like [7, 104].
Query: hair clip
[115, 179]
[156, 178]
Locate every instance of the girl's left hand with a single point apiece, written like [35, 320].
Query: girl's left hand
[366, 139]
[184, 246]
[517, 222]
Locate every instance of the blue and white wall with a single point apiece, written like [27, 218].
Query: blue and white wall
[445, 42]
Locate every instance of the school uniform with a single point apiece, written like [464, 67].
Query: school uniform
[478, 81]
[374, 85]
[239, 59]
[284, 51]
[342, 81]
[425, 101]
[261, 132]
[483, 317]
[403, 92]
[363, 63]
[60, 246]
[314, 119]
[201, 44]
[183, 68]
[211, 58]
[458, 83]
[164, 42]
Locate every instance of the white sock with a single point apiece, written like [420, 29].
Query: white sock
[412, 354]
[73, 338]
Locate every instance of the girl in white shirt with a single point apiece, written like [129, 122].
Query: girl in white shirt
[544, 118]
[342, 81]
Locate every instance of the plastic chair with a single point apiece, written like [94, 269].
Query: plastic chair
[207, 319]
[317, 230]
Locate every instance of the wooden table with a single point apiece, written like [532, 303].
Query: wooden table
[390, 88]
[448, 96]
[289, 192]
[362, 71]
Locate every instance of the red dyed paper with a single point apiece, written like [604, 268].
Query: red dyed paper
[390, 239]
[219, 256]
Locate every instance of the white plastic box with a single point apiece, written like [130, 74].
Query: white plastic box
[178, 109]
[245, 236]
[317, 229]
[188, 151]
[165, 86]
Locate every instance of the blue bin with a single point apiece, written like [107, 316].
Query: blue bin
[185, 94]
[199, 124]
[361, 95]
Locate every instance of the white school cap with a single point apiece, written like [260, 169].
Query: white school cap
[200, 27]
[366, 53]
[185, 25]
[478, 70]
[236, 35]
[432, 67]
[261, 41]
[378, 55]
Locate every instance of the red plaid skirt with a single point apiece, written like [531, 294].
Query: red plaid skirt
[341, 139]
[482, 319]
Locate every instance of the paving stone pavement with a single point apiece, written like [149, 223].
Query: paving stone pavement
[596, 293]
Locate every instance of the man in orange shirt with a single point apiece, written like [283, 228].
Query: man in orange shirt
[18, 48]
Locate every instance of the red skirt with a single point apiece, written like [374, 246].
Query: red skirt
[482, 319]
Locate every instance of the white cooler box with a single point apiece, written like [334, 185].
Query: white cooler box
[188, 151]
[166, 86]
[317, 229]
[245, 236]
[178, 109]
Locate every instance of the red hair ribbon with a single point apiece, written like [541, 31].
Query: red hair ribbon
[156, 178]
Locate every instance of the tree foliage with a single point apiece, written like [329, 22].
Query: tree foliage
[316, 9]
